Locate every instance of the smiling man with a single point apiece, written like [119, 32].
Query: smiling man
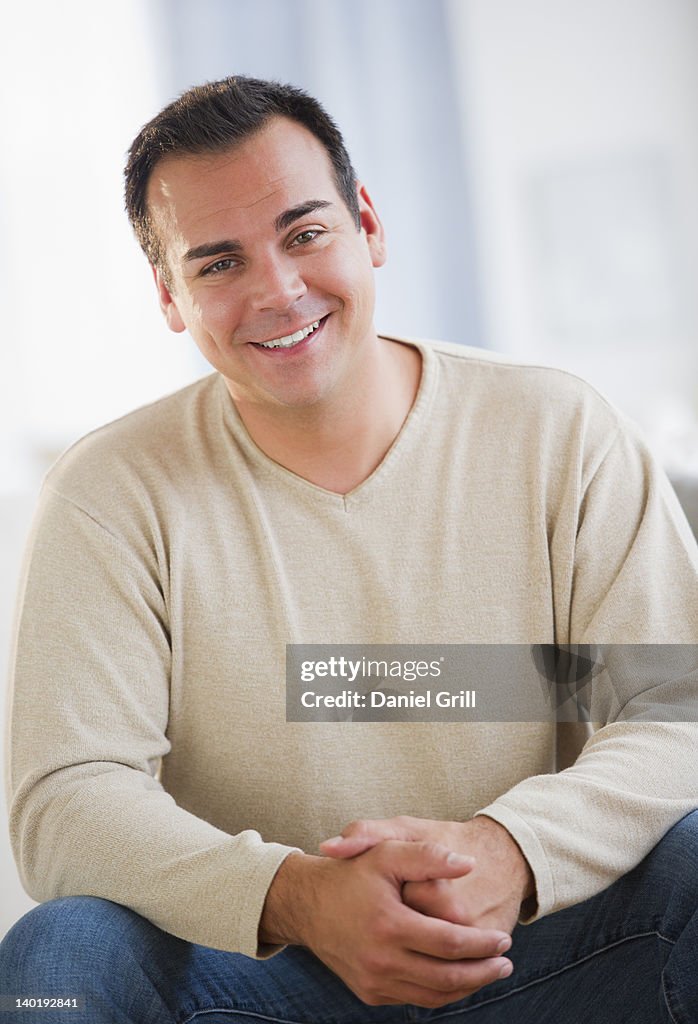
[272, 274]
[327, 484]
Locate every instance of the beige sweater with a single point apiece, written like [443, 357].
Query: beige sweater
[171, 561]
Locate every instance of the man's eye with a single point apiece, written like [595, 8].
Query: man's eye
[219, 266]
[306, 236]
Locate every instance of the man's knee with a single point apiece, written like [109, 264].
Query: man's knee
[677, 851]
[672, 866]
[64, 942]
[684, 832]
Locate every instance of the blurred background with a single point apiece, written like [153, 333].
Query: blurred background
[535, 163]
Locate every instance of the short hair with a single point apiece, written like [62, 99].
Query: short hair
[214, 117]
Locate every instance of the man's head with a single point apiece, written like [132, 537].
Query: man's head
[215, 117]
[263, 243]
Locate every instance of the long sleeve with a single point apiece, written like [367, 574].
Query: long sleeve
[88, 730]
[635, 582]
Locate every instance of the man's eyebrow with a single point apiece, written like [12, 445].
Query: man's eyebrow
[200, 252]
[285, 219]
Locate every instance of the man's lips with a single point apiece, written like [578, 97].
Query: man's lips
[298, 339]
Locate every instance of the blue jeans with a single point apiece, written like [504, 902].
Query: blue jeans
[628, 954]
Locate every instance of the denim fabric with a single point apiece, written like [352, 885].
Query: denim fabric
[628, 954]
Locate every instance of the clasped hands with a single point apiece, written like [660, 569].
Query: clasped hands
[405, 910]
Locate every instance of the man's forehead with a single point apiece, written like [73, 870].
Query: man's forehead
[280, 163]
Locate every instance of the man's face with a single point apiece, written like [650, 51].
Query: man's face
[260, 246]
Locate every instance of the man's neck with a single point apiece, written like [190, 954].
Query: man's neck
[339, 444]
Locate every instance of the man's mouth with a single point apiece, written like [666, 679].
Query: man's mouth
[290, 340]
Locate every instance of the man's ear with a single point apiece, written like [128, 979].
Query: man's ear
[167, 303]
[371, 225]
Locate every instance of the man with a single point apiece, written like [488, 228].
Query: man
[329, 485]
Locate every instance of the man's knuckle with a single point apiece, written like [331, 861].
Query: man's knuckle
[452, 946]
[386, 931]
[382, 965]
[354, 828]
[452, 979]
[372, 962]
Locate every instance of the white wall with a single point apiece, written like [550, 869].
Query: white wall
[83, 339]
[582, 134]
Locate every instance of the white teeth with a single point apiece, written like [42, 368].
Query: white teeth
[291, 339]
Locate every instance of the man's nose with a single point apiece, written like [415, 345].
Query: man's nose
[277, 283]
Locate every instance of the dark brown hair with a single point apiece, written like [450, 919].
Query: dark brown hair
[213, 117]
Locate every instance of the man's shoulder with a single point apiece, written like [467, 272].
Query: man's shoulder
[504, 382]
[450, 350]
[147, 442]
[501, 367]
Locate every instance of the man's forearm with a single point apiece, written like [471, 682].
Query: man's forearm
[516, 861]
[290, 901]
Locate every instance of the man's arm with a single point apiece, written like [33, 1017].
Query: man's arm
[633, 584]
[88, 727]
[634, 580]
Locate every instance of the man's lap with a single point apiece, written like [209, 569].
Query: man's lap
[628, 953]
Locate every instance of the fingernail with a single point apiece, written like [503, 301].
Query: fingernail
[504, 945]
[334, 840]
[506, 969]
[459, 860]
